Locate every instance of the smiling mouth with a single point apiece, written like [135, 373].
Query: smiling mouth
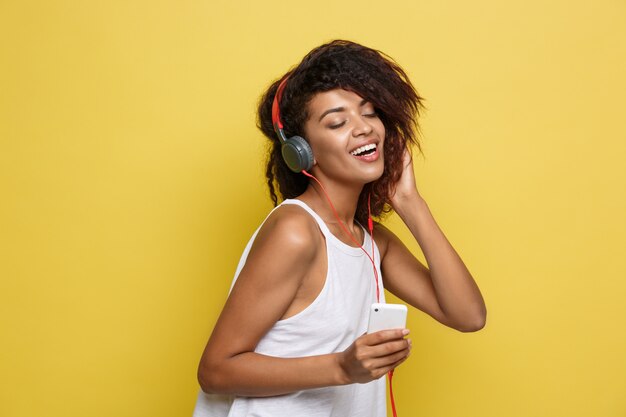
[364, 150]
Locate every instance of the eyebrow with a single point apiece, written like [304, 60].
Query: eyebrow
[340, 109]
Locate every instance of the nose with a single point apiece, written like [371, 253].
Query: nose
[362, 127]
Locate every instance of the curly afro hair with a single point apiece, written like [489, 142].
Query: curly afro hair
[367, 72]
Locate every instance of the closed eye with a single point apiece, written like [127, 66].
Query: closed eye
[338, 125]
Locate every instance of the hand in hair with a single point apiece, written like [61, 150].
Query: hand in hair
[406, 188]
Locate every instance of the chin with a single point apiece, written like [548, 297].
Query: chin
[373, 176]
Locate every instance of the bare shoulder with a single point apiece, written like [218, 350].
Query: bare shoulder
[289, 231]
[279, 260]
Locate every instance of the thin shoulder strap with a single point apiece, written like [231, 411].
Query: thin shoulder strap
[313, 214]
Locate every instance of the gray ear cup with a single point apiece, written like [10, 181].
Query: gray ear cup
[297, 154]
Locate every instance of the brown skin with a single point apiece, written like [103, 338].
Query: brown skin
[270, 287]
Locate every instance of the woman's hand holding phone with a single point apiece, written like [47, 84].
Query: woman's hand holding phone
[373, 355]
[381, 349]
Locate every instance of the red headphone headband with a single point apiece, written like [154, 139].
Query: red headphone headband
[278, 124]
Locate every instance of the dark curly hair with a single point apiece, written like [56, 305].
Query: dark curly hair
[364, 71]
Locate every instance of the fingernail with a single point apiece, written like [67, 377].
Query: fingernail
[410, 343]
[405, 332]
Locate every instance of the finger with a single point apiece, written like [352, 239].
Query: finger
[389, 360]
[396, 364]
[384, 336]
[383, 370]
[387, 349]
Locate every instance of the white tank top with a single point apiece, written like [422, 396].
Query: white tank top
[336, 317]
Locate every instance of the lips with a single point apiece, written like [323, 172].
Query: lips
[364, 150]
[366, 153]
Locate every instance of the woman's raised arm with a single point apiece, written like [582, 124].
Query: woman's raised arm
[446, 290]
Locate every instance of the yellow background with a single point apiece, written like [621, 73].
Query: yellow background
[131, 177]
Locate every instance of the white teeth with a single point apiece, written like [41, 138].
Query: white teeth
[363, 149]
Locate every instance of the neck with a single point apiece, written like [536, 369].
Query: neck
[344, 198]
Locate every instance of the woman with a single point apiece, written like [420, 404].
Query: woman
[291, 338]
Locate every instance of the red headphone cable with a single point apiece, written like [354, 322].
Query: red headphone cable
[370, 225]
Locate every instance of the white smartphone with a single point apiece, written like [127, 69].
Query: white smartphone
[386, 316]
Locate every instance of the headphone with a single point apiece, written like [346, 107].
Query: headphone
[296, 151]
